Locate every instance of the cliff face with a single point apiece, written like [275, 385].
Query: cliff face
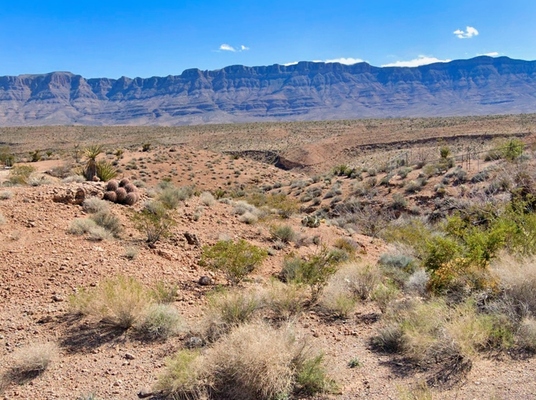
[305, 91]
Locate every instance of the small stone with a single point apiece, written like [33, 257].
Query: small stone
[205, 280]
[57, 298]
[194, 342]
[129, 356]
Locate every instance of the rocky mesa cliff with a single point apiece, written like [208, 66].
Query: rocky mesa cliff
[305, 91]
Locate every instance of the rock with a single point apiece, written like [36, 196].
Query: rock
[129, 356]
[205, 280]
[194, 342]
[192, 238]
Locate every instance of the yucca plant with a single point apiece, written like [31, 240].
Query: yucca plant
[91, 153]
[105, 171]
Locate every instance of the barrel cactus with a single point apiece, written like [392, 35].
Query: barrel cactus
[110, 196]
[112, 185]
[121, 194]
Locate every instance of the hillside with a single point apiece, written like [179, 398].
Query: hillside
[305, 91]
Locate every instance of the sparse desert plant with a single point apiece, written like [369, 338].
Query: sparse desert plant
[93, 205]
[283, 233]
[108, 221]
[526, 335]
[164, 292]
[285, 300]
[248, 218]
[171, 196]
[119, 301]
[81, 226]
[131, 253]
[184, 376]
[6, 195]
[30, 361]
[20, 174]
[154, 221]
[98, 233]
[229, 309]
[417, 282]
[235, 259]
[313, 271]
[159, 321]
[207, 199]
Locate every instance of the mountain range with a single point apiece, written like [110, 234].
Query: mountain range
[304, 91]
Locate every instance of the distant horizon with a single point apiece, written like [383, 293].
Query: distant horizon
[268, 65]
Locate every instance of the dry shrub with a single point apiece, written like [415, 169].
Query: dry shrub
[94, 204]
[526, 335]
[160, 321]
[207, 199]
[517, 279]
[119, 301]
[229, 309]
[285, 300]
[351, 283]
[257, 361]
[29, 362]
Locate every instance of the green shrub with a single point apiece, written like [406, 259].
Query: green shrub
[235, 259]
[171, 196]
[183, 376]
[154, 221]
[313, 271]
[284, 233]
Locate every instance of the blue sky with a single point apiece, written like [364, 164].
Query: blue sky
[158, 38]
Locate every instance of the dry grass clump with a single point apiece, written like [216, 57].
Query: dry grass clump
[94, 205]
[119, 301]
[285, 300]
[255, 361]
[6, 195]
[518, 281]
[29, 362]
[229, 309]
[351, 283]
[207, 199]
[124, 302]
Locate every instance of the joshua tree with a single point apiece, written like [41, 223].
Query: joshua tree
[92, 152]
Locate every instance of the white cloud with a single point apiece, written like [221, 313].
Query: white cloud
[467, 34]
[346, 61]
[342, 60]
[228, 47]
[491, 54]
[421, 60]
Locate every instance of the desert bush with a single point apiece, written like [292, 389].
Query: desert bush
[163, 292]
[207, 199]
[130, 253]
[313, 271]
[248, 218]
[235, 259]
[20, 174]
[30, 361]
[283, 233]
[526, 335]
[383, 294]
[81, 226]
[283, 204]
[184, 376]
[108, 221]
[98, 233]
[93, 205]
[159, 321]
[119, 301]
[258, 362]
[171, 196]
[154, 221]
[6, 195]
[284, 300]
[337, 298]
[229, 309]
[417, 282]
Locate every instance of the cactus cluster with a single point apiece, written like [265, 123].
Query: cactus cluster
[122, 192]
